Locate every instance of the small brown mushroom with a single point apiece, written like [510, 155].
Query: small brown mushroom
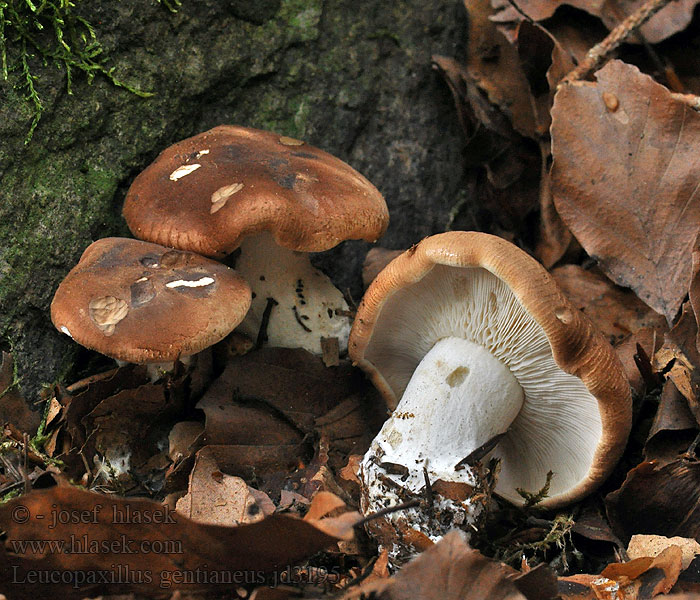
[473, 346]
[276, 199]
[143, 303]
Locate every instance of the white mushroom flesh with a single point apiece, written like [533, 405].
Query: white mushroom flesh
[460, 397]
[557, 428]
[309, 307]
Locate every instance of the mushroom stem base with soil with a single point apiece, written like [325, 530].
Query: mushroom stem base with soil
[459, 397]
[309, 307]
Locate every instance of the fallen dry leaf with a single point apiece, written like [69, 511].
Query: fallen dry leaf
[634, 352]
[674, 17]
[652, 545]
[680, 359]
[673, 417]
[544, 63]
[449, 570]
[694, 292]
[13, 407]
[639, 579]
[293, 383]
[494, 66]
[592, 526]
[183, 437]
[554, 238]
[616, 312]
[375, 261]
[138, 545]
[625, 180]
[658, 499]
[223, 499]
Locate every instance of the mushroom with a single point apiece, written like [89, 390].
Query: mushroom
[143, 303]
[473, 345]
[275, 198]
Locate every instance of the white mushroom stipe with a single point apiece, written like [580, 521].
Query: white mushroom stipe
[64, 329]
[203, 281]
[158, 370]
[309, 306]
[183, 171]
[459, 398]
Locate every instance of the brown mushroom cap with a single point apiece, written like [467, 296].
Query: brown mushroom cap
[142, 303]
[209, 191]
[386, 352]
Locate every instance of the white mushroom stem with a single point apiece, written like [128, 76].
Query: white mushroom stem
[157, 370]
[309, 307]
[459, 398]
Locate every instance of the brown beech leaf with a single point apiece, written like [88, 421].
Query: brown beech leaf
[616, 312]
[639, 579]
[449, 570]
[674, 427]
[625, 180]
[694, 291]
[674, 17]
[659, 499]
[293, 383]
[593, 526]
[139, 545]
[494, 66]
[635, 353]
[220, 499]
[13, 407]
[680, 359]
[544, 62]
[554, 236]
[375, 261]
[652, 545]
[184, 438]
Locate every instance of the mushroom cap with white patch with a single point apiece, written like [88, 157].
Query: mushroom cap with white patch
[576, 412]
[142, 303]
[206, 193]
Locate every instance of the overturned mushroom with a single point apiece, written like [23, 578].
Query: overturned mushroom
[277, 199]
[473, 345]
[143, 303]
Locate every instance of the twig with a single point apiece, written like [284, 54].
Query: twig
[616, 37]
[690, 453]
[479, 453]
[525, 16]
[262, 332]
[429, 498]
[25, 473]
[388, 510]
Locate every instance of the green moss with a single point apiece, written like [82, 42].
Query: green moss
[295, 21]
[49, 31]
[41, 231]
[172, 5]
[301, 18]
[285, 115]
